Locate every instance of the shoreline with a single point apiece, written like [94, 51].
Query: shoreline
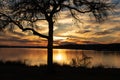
[78, 47]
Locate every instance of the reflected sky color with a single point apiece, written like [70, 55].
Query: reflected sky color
[67, 31]
[61, 56]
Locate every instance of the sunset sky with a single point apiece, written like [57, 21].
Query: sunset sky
[67, 31]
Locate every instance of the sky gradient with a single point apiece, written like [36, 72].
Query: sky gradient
[66, 30]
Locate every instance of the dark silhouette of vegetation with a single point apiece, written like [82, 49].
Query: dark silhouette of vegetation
[20, 71]
[85, 61]
[26, 12]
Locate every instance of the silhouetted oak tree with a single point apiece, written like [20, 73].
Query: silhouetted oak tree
[16, 12]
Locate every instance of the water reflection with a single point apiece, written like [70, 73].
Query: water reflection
[30, 56]
[62, 56]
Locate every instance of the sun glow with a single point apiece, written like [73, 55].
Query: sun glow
[59, 38]
[60, 57]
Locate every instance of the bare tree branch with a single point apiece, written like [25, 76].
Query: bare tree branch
[30, 29]
[17, 23]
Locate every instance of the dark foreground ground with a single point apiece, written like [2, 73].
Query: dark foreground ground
[19, 71]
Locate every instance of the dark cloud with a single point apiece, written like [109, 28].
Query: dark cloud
[108, 31]
[103, 39]
[18, 33]
[103, 32]
[66, 43]
[117, 28]
[16, 39]
[83, 31]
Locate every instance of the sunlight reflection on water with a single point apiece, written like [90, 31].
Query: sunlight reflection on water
[35, 56]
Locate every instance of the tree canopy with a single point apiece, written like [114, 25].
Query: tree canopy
[33, 10]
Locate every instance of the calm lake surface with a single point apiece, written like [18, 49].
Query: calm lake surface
[38, 56]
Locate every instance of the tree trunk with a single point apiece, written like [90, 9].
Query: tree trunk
[50, 45]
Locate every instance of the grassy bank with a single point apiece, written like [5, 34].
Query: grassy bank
[20, 71]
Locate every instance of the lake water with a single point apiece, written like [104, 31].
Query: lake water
[37, 56]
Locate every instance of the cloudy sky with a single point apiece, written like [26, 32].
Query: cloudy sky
[66, 30]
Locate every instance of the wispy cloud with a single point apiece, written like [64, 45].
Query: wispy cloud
[65, 26]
